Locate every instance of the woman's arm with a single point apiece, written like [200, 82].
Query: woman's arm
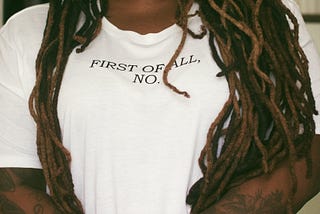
[23, 191]
[268, 194]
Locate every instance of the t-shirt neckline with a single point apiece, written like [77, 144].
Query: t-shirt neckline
[145, 39]
[148, 38]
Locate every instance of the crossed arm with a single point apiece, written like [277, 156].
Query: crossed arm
[268, 194]
[23, 191]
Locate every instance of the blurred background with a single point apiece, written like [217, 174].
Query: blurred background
[309, 8]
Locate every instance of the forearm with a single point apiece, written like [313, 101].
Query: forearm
[22, 191]
[269, 194]
[25, 200]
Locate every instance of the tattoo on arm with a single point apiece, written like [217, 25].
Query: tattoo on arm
[38, 209]
[251, 204]
[23, 191]
[10, 177]
[7, 206]
[31, 177]
[6, 181]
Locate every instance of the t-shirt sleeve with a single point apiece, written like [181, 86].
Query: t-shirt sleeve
[17, 128]
[312, 54]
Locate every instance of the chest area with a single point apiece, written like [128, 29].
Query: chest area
[111, 75]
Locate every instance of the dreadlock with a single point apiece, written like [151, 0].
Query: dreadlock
[268, 115]
[60, 38]
[266, 119]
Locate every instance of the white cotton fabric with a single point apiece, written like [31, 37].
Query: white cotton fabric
[134, 143]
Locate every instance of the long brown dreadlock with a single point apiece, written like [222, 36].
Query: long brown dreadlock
[266, 119]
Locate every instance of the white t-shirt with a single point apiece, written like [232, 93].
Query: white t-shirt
[134, 143]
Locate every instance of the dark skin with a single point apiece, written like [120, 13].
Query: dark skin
[142, 16]
[23, 190]
[268, 194]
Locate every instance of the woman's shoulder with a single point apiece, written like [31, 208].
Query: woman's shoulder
[26, 25]
[33, 13]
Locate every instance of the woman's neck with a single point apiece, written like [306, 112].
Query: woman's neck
[142, 16]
